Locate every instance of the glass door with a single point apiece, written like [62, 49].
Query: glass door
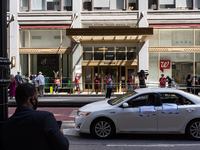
[88, 79]
[131, 72]
[114, 75]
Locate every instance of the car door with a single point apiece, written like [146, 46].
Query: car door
[175, 121]
[130, 119]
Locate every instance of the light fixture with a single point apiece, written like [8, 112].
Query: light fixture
[101, 48]
[13, 61]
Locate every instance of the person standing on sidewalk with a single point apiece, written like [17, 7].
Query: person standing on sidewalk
[189, 82]
[109, 84]
[77, 78]
[12, 86]
[29, 129]
[57, 83]
[162, 81]
[19, 78]
[130, 83]
[96, 84]
[41, 83]
[169, 80]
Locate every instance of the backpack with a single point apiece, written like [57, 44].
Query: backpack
[18, 78]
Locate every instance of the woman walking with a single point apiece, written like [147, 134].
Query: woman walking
[12, 86]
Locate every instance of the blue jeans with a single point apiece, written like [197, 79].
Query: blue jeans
[56, 88]
[109, 91]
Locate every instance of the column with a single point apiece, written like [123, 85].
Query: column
[143, 47]
[14, 35]
[76, 47]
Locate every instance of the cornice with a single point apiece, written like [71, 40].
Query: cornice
[174, 49]
[44, 50]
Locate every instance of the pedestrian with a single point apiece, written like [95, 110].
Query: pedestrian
[19, 78]
[57, 83]
[109, 84]
[169, 80]
[41, 82]
[30, 129]
[12, 86]
[189, 82]
[130, 81]
[162, 81]
[34, 77]
[198, 81]
[77, 78]
[96, 84]
[142, 77]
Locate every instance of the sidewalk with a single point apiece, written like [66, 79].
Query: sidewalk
[64, 100]
[87, 94]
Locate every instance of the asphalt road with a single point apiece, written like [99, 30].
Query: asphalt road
[128, 141]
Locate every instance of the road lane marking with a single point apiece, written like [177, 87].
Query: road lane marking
[156, 145]
[73, 113]
[71, 131]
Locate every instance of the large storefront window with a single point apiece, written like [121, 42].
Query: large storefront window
[181, 64]
[24, 65]
[66, 74]
[49, 38]
[153, 68]
[178, 4]
[153, 40]
[24, 38]
[109, 51]
[44, 38]
[176, 37]
[46, 63]
[197, 65]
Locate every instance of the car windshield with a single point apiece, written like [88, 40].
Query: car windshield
[121, 98]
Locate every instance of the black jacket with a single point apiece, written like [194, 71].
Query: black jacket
[28, 129]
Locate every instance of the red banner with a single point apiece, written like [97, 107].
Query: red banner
[164, 64]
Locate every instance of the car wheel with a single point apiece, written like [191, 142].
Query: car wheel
[102, 128]
[193, 130]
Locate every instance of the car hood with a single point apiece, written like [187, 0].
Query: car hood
[95, 106]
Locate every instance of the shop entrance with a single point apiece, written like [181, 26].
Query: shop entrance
[113, 71]
[119, 75]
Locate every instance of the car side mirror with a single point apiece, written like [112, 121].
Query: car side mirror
[125, 105]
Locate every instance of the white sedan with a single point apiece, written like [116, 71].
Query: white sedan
[160, 110]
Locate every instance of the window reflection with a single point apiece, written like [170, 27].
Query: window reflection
[178, 4]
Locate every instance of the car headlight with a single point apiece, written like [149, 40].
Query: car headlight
[80, 113]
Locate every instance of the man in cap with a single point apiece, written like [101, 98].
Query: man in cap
[41, 83]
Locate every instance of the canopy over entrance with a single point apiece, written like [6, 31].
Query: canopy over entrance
[106, 34]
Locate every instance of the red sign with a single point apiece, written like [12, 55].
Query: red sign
[164, 64]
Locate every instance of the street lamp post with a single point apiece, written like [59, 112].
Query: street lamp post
[4, 65]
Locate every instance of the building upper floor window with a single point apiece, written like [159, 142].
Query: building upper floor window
[42, 5]
[178, 4]
[8, 5]
[172, 4]
[110, 5]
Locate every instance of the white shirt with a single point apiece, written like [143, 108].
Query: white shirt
[40, 78]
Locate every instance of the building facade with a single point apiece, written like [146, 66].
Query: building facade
[38, 40]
